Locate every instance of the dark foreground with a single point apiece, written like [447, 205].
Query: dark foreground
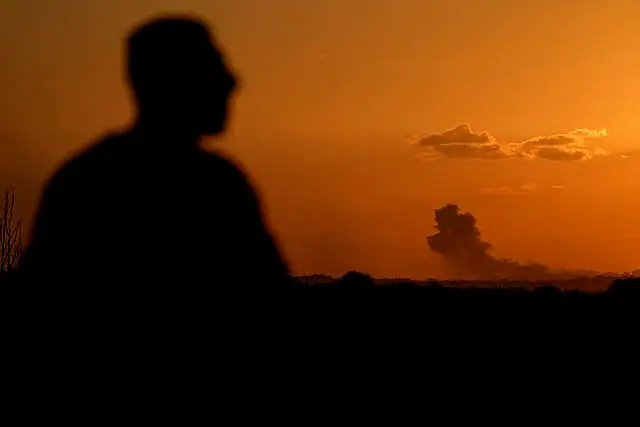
[354, 287]
[332, 320]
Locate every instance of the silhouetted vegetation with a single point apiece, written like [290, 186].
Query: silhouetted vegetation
[11, 233]
[433, 294]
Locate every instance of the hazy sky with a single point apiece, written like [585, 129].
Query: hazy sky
[344, 114]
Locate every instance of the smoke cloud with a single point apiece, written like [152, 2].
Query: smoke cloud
[467, 256]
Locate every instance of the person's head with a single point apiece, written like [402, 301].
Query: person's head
[178, 76]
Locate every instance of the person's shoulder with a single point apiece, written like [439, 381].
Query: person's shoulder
[233, 180]
[80, 166]
[225, 168]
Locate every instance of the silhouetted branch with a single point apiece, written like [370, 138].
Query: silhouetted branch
[11, 232]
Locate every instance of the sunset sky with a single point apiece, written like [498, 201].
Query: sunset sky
[358, 118]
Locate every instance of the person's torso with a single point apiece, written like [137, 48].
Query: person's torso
[161, 213]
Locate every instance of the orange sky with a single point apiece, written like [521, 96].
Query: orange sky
[332, 92]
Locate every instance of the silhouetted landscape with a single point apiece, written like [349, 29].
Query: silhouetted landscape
[588, 291]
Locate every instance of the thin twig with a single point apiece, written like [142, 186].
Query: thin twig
[11, 232]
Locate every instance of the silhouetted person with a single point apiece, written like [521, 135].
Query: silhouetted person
[146, 217]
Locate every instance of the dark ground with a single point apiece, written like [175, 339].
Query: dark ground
[354, 286]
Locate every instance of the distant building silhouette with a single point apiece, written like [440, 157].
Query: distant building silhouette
[145, 217]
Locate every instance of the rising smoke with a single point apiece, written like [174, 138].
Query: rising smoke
[466, 256]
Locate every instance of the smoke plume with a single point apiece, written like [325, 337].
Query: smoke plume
[466, 255]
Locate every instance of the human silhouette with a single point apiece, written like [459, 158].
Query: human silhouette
[146, 217]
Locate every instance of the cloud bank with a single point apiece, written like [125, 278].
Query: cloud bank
[462, 142]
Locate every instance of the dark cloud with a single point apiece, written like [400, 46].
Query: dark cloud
[552, 153]
[470, 151]
[462, 142]
[569, 146]
[458, 135]
[549, 141]
[466, 255]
